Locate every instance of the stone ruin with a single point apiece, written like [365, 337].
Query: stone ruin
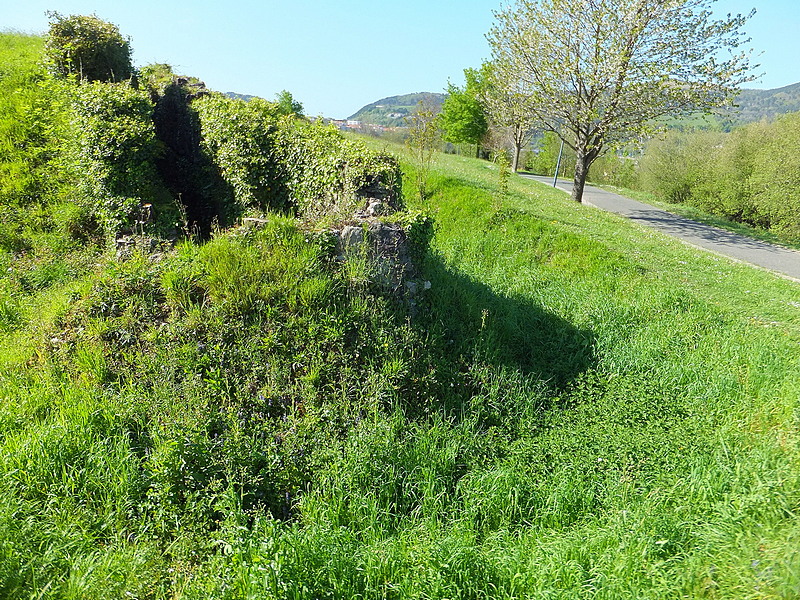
[367, 235]
[384, 244]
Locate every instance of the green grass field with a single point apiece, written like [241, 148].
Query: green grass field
[581, 408]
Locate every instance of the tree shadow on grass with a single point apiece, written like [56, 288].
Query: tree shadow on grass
[474, 322]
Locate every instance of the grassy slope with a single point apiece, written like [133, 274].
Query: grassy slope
[582, 407]
[622, 422]
[693, 397]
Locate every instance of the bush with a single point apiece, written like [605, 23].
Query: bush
[238, 137]
[328, 174]
[749, 176]
[774, 181]
[88, 48]
[285, 163]
[730, 194]
[615, 169]
[679, 167]
[112, 153]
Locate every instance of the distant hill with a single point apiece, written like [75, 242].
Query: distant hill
[751, 105]
[392, 111]
[754, 105]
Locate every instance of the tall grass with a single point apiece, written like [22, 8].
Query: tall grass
[578, 408]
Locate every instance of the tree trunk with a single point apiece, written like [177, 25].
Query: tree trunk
[581, 172]
[519, 139]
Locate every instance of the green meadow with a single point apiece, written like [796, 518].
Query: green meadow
[579, 408]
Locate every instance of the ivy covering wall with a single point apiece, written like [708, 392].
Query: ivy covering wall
[284, 163]
[113, 152]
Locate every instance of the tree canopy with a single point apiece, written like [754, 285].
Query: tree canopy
[509, 110]
[87, 47]
[600, 73]
[463, 117]
[288, 105]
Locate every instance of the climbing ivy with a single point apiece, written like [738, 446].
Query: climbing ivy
[329, 174]
[238, 137]
[274, 162]
[112, 152]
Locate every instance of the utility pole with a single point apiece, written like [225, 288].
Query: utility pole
[558, 163]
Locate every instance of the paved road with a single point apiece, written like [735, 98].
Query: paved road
[775, 258]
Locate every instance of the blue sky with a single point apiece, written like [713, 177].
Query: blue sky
[337, 56]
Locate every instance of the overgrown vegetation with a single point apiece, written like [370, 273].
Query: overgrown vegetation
[87, 48]
[133, 159]
[748, 176]
[743, 180]
[113, 154]
[576, 408]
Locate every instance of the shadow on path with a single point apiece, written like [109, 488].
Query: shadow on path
[783, 261]
[682, 227]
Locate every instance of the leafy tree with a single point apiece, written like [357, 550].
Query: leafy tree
[463, 118]
[544, 158]
[287, 105]
[510, 110]
[87, 47]
[600, 73]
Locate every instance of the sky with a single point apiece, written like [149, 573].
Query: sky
[336, 56]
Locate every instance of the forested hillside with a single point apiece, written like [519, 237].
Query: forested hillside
[750, 105]
[753, 105]
[392, 111]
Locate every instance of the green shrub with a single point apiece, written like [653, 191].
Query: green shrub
[615, 169]
[730, 164]
[112, 153]
[88, 48]
[679, 167]
[748, 176]
[238, 137]
[774, 180]
[282, 163]
[328, 174]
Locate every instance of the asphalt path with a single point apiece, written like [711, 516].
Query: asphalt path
[781, 260]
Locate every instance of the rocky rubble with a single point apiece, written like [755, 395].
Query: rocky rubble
[386, 247]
